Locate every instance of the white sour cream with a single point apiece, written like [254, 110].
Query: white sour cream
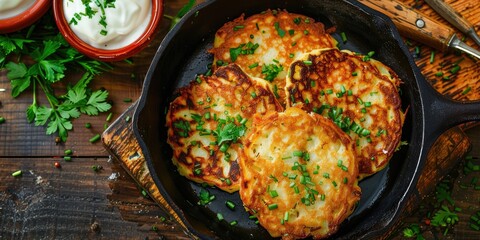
[125, 23]
[12, 8]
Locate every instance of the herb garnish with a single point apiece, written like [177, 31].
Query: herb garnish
[280, 31]
[184, 10]
[243, 49]
[51, 56]
[271, 71]
[205, 197]
[89, 12]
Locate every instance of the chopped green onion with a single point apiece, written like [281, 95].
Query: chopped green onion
[322, 197]
[253, 65]
[344, 37]
[230, 204]
[467, 90]
[455, 69]
[94, 138]
[219, 217]
[109, 117]
[298, 153]
[272, 206]
[238, 27]
[17, 173]
[365, 132]
[273, 193]
[224, 147]
[432, 56]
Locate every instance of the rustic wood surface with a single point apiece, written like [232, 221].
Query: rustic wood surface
[76, 202]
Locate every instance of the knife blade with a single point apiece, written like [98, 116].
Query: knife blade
[455, 18]
[416, 25]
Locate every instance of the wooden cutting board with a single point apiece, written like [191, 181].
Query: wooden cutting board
[443, 156]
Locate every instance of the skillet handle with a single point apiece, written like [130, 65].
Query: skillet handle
[442, 113]
[414, 24]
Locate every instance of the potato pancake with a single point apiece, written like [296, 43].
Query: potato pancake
[207, 121]
[358, 93]
[299, 176]
[265, 44]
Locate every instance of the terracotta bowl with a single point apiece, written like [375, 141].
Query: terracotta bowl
[103, 54]
[25, 18]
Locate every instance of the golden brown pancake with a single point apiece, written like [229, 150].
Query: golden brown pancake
[208, 120]
[358, 93]
[265, 44]
[299, 174]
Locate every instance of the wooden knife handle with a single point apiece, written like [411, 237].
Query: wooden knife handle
[452, 16]
[413, 24]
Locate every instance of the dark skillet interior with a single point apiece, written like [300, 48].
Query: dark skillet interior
[183, 55]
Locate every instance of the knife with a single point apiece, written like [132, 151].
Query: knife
[416, 25]
[454, 18]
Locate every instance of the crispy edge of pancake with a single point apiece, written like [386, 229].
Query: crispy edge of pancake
[387, 77]
[307, 35]
[255, 185]
[227, 83]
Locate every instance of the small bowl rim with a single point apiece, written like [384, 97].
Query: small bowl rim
[112, 54]
[25, 18]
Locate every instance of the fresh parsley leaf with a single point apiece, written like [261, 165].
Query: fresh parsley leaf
[16, 70]
[48, 57]
[96, 103]
[76, 95]
[234, 52]
[60, 125]
[444, 217]
[19, 85]
[443, 194]
[229, 132]
[49, 48]
[66, 111]
[31, 112]
[52, 70]
[42, 115]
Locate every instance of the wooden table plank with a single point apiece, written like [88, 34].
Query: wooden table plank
[46, 202]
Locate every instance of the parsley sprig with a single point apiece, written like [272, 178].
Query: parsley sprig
[36, 59]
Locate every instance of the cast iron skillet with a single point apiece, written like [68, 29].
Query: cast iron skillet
[183, 54]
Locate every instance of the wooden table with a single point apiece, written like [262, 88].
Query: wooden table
[76, 202]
